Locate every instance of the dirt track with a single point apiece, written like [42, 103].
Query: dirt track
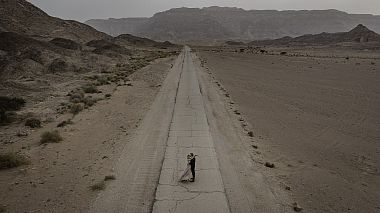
[317, 119]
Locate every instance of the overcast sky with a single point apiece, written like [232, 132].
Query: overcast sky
[83, 10]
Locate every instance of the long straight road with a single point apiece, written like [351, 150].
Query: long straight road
[190, 133]
[188, 116]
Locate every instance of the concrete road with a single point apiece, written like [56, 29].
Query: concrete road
[190, 132]
[188, 115]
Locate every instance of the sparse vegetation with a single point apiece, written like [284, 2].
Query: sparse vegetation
[89, 101]
[90, 88]
[76, 96]
[76, 108]
[33, 123]
[109, 177]
[98, 186]
[51, 137]
[11, 160]
[7, 106]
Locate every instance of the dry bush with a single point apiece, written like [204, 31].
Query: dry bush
[33, 123]
[51, 137]
[90, 88]
[7, 105]
[11, 160]
[89, 101]
[76, 108]
[76, 96]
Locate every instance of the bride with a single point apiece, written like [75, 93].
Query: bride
[187, 175]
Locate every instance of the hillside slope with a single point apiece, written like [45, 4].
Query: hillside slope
[22, 17]
[360, 34]
[219, 23]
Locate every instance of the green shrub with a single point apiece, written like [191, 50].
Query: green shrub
[51, 137]
[76, 108]
[11, 160]
[33, 123]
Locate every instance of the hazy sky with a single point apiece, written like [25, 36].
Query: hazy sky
[82, 10]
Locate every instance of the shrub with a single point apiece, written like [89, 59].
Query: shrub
[102, 80]
[108, 95]
[76, 96]
[76, 108]
[58, 65]
[89, 101]
[11, 104]
[90, 88]
[33, 123]
[51, 137]
[7, 117]
[11, 160]
[98, 186]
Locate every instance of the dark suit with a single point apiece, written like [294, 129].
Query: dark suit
[192, 164]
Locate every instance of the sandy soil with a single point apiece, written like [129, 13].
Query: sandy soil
[316, 118]
[59, 176]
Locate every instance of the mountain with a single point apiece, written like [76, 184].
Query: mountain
[360, 34]
[22, 17]
[223, 23]
[115, 27]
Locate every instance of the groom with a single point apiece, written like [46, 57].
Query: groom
[192, 164]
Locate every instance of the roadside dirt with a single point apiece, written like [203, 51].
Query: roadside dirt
[60, 175]
[315, 118]
[247, 186]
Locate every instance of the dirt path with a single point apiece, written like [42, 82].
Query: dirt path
[139, 165]
[60, 175]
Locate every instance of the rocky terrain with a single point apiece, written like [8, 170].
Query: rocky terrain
[219, 23]
[360, 34]
[58, 80]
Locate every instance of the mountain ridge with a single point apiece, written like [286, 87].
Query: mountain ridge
[225, 23]
[22, 17]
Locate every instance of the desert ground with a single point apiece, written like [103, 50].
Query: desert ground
[66, 176]
[313, 112]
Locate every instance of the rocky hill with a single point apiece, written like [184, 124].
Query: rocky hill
[115, 27]
[22, 17]
[219, 23]
[360, 34]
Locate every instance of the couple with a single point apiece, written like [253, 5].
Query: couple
[190, 168]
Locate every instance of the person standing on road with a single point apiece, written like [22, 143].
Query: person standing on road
[192, 165]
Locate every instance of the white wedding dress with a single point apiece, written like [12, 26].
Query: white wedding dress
[186, 175]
